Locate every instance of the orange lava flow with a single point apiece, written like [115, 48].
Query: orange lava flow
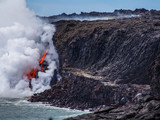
[42, 59]
[32, 74]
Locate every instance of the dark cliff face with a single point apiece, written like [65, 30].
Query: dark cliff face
[148, 109]
[95, 54]
[155, 78]
[119, 50]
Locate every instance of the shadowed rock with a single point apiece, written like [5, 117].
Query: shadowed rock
[119, 50]
[155, 78]
[54, 79]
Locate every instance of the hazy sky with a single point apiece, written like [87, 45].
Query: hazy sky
[53, 7]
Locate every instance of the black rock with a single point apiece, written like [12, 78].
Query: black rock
[76, 92]
[119, 50]
[54, 79]
[155, 78]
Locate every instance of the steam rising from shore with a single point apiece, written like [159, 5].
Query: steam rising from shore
[23, 40]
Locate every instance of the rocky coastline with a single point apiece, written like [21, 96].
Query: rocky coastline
[77, 92]
[108, 66]
[146, 108]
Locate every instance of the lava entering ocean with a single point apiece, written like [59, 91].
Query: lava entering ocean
[23, 37]
[42, 60]
[34, 72]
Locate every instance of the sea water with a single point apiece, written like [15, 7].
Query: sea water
[21, 109]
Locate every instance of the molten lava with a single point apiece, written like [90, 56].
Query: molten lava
[33, 73]
[42, 60]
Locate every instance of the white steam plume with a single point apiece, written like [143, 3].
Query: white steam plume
[23, 40]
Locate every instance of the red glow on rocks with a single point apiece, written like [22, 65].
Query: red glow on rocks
[33, 73]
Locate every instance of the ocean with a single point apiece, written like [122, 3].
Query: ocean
[21, 109]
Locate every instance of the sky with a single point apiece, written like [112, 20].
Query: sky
[55, 7]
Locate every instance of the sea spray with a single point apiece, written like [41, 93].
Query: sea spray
[23, 40]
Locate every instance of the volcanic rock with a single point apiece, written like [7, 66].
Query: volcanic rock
[118, 50]
[155, 78]
[79, 92]
[145, 111]
[104, 66]
[76, 92]
[54, 79]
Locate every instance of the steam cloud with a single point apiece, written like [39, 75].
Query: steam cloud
[23, 40]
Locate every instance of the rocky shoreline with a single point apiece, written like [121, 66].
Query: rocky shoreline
[146, 108]
[77, 92]
[145, 111]
[108, 66]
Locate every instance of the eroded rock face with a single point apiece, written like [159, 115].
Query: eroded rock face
[154, 73]
[119, 50]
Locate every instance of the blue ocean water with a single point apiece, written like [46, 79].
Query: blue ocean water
[21, 109]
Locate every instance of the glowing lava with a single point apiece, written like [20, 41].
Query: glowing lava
[33, 73]
[42, 60]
